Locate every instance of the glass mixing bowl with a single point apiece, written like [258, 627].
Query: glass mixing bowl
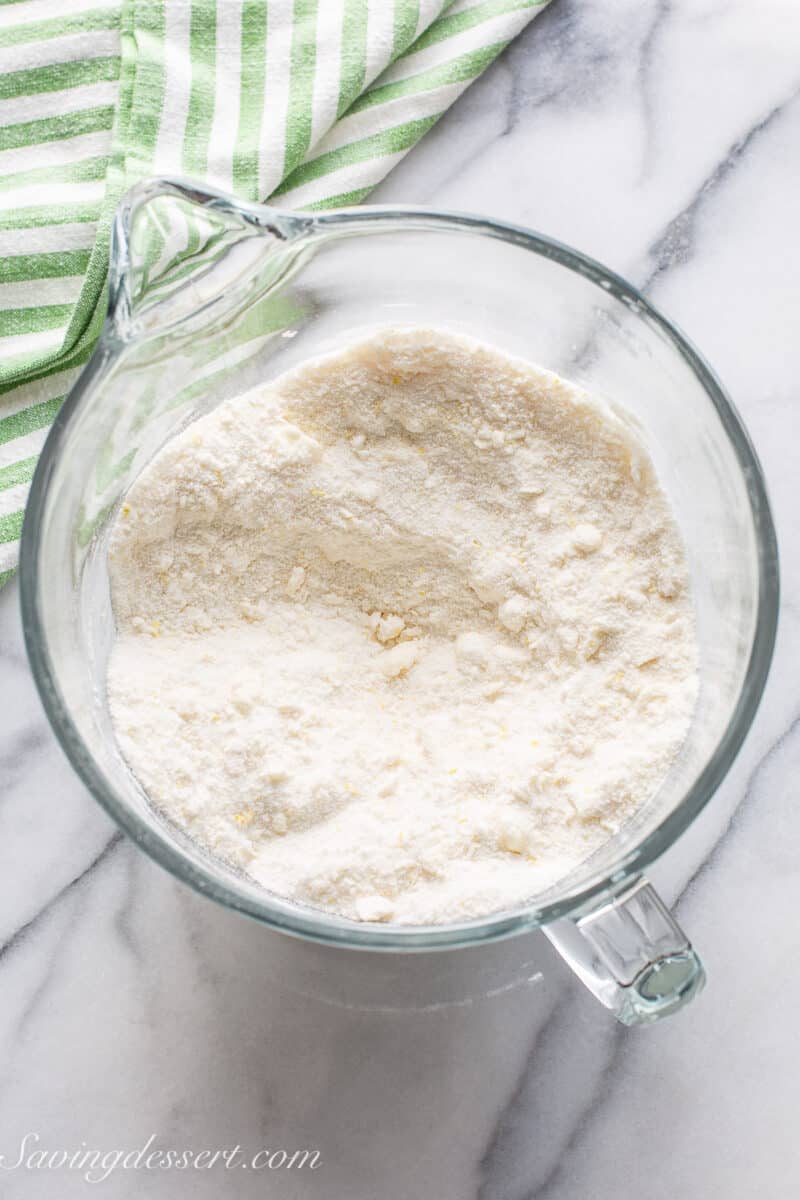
[208, 296]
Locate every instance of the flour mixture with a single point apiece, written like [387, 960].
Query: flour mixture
[405, 634]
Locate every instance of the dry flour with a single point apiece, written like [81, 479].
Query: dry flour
[404, 634]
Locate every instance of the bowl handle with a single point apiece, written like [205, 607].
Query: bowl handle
[631, 954]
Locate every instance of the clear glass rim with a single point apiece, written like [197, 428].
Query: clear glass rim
[263, 905]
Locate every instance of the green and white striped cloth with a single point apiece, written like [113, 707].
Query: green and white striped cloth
[309, 102]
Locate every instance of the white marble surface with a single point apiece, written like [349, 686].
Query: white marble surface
[663, 139]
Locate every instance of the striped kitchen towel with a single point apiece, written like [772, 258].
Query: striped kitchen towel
[309, 102]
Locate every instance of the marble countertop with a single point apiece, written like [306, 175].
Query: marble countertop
[662, 139]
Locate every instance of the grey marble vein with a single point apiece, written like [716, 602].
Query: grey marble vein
[676, 244]
[29, 927]
[534, 1135]
[648, 64]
